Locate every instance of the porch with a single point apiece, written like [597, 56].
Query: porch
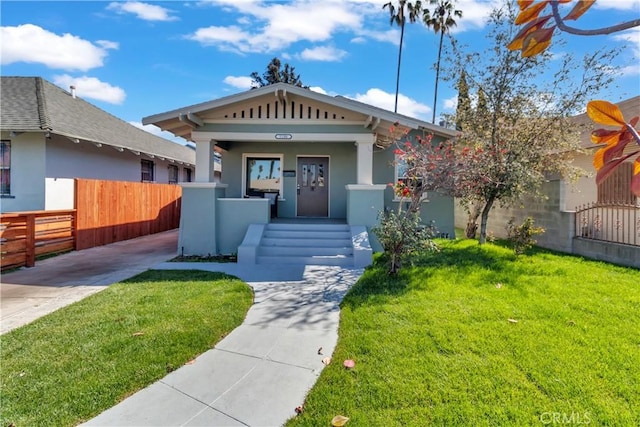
[214, 224]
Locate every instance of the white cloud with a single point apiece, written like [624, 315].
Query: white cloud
[32, 44]
[318, 89]
[144, 11]
[474, 14]
[241, 82]
[107, 44]
[451, 104]
[323, 53]
[632, 38]
[618, 4]
[272, 26]
[154, 130]
[91, 87]
[407, 106]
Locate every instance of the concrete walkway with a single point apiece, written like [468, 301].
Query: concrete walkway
[258, 374]
[30, 293]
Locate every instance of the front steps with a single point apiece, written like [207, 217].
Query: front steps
[306, 243]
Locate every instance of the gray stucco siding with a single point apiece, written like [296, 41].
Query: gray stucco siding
[342, 170]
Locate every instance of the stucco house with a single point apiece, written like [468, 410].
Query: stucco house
[304, 175]
[49, 136]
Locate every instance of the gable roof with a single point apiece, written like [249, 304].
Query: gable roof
[182, 120]
[32, 104]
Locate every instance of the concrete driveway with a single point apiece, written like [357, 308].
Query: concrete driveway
[30, 293]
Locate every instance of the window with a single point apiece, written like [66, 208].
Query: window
[262, 174]
[5, 167]
[401, 175]
[173, 174]
[147, 170]
[616, 189]
[187, 175]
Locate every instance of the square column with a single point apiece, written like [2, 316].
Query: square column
[204, 158]
[364, 167]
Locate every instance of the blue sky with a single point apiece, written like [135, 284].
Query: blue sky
[135, 59]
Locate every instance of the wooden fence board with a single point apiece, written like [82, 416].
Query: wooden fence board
[111, 211]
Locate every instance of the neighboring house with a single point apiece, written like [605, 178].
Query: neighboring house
[579, 217]
[323, 158]
[49, 135]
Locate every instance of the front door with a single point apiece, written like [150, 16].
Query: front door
[313, 186]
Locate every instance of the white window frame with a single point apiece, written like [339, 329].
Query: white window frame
[246, 156]
[396, 178]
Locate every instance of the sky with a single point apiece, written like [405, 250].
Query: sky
[137, 58]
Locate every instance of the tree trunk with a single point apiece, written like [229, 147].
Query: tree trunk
[484, 218]
[435, 95]
[472, 222]
[395, 108]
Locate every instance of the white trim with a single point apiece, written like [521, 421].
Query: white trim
[304, 122]
[202, 185]
[261, 156]
[366, 187]
[324, 156]
[271, 136]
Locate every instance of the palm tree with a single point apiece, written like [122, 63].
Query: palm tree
[399, 19]
[440, 21]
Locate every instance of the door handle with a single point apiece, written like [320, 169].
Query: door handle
[298, 189]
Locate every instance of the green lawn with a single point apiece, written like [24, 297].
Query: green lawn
[436, 346]
[82, 359]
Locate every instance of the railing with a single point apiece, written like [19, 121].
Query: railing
[27, 235]
[619, 223]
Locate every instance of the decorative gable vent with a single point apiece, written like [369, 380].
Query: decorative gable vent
[279, 109]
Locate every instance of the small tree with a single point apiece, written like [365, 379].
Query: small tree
[519, 133]
[536, 36]
[401, 233]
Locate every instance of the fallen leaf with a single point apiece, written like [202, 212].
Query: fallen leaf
[299, 409]
[326, 360]
[513, 320]
[339, 421]
[191, 362]
[349, 363]
[22, 374]
[571, 323]
[498, 285]
[137, 334]
[320, 350]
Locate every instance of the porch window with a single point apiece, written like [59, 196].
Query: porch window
[147, 167]
[262, 174]
[5, 168]
[173, 174]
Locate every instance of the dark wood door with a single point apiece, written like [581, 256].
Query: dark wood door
[313, 186]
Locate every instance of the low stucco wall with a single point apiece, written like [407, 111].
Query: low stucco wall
[615, 253]
[234, 217]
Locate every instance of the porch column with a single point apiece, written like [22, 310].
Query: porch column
[204, 158]
[364, 167]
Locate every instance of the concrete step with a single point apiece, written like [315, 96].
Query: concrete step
[305, 242]
[306, 234]
[337, 260]
[277, 251]
[307, 227]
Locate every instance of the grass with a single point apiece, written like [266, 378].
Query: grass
[71, 365]
[436, 346]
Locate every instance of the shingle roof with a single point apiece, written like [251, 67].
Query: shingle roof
[31, 104]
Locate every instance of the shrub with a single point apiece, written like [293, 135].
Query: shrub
[521, 236]
[401, 234]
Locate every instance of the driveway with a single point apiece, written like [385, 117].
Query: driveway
[30, 293]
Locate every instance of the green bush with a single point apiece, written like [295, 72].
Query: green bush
[521, 236]
[402, 234]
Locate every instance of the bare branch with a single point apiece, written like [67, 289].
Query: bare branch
[594, 32]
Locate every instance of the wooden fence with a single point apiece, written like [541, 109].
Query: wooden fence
[111, 211]
[106, 212]
[26, 235]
